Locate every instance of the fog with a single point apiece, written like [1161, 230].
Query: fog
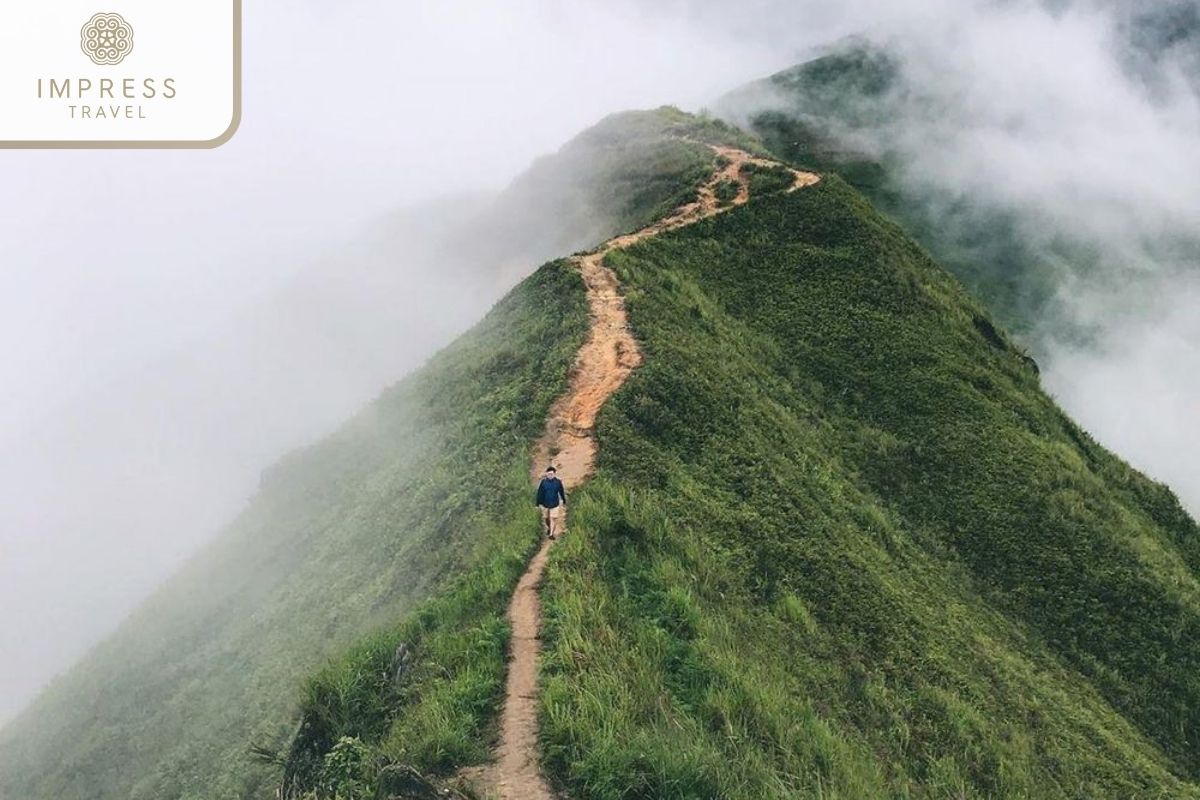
[1090, 137]
[1079, 124]
[172, 322]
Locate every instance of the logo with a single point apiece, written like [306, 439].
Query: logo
[106, 38]
[177, 83]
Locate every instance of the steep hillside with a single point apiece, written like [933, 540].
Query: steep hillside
[345, 536]
[839, 544]
[839, 112]
[878, 116]
[116, 458]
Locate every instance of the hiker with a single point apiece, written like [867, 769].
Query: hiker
[551, 500]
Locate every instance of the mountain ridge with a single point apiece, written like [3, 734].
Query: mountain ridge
[838, 544]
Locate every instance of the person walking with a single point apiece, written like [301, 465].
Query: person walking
[551, 500]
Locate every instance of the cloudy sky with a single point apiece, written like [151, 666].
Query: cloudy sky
[124, 273]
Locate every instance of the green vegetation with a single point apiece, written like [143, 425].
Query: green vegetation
[766, 180]
[841, 545]
[426, 490]
[620, 174]
[449, 688]
[726, 192]
[418, 503]
[833, 103]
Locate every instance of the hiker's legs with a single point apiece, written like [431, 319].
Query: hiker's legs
[547, 523]
[558, 520]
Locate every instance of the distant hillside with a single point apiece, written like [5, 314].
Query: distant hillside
[1162, 32]
[860, 111]
[834, 113]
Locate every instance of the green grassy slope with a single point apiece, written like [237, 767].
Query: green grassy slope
[423, 494]
[615, 176]
[344, 536]
[841, 545]
[834, 114]
[859, 111]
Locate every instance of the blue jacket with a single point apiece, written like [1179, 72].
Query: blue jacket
[549, 491]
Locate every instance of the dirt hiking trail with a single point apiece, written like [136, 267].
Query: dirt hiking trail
[601, 366]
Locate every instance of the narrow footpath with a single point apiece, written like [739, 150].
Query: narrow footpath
[601, 366]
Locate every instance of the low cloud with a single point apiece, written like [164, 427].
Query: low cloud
[1093, 146]
[1077, 126]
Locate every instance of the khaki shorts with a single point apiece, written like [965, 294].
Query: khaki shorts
[553, 519]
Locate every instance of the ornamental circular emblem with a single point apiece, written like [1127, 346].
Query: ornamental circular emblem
[106, 38]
